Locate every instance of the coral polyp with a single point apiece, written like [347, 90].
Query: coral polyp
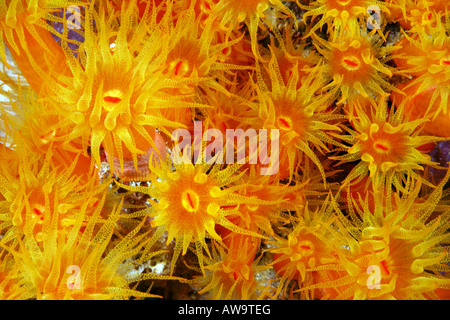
[111, 93]
[224, 150]
[193, 58]
[35, 192]
[191, 213]
[232, 276]
[307, 253]
[357, 66]
[424, 56]
[302, 121]
[27, 33]
[406, 265]
[387, 146]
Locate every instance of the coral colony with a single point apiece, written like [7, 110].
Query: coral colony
[224, 149]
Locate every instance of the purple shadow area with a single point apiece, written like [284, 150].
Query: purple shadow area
[73, 34]
[441, 155]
